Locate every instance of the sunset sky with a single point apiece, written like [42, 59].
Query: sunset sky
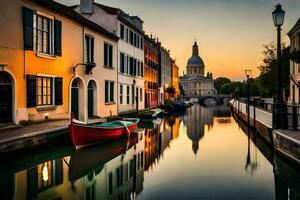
[230, 33]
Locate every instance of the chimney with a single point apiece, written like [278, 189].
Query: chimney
[86, 6]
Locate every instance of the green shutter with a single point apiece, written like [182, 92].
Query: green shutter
[31, 90]
[57, 38]
[58, 91]
[28, 28]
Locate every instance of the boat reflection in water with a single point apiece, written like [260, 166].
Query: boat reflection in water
[160, 161]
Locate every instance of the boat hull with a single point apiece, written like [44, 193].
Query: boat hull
[85, 135]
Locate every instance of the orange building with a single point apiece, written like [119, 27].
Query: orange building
[41, 44]
[151, 84]
[175, 79]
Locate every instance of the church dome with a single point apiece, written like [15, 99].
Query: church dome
[195, 59]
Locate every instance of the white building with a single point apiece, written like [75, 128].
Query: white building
[194, 83]
[130, 50]
[166, 73]
[294, 35]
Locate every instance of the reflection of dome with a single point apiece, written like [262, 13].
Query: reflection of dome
[195, 59]
[195, 147]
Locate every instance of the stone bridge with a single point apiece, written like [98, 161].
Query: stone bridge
[216, 99]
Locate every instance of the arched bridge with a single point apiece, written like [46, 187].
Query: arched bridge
[212, 99]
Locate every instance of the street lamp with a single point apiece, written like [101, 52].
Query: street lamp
[248, 73]
[279, 106]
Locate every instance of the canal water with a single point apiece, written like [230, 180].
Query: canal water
[205, 153]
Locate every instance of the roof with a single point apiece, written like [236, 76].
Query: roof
[73, 15]
[122, 16]
[295, 27]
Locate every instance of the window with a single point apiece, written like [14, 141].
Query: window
[44, 91]
[142, 43]
[131, 37]
[134, 67]
[89, 49]
[122, 31]
[121, 94]
[141, 94]
[43, 32]
[132, 94]
[108, 55]
[128, 94]
[122, 62]
[109, 91]
[138, 68]
[142, 69]
[131, 71]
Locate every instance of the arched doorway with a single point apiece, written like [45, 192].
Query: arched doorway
[6, 97]
[92, 95]
[75, 98]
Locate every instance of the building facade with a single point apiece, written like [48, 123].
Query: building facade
[175, 79]
[130, 52]
[294, 35]
[152, 72]
[38, 54]
[195, 83]
[166, 74]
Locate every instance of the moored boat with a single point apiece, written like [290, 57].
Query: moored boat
[179, 107]
[84, 135]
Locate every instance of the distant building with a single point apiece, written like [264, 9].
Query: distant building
[175, 79]
[152, 72]
[294, 35]
[166, 73]
[194, 83]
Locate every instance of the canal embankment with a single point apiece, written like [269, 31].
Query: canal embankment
[285, 142]
[31, 135]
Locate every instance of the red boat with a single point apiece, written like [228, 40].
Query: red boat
[84, 135]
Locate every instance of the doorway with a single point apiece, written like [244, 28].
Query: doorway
[74, 98]
[91, 99]
[6, 97]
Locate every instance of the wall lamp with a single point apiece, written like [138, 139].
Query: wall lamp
[88, 67]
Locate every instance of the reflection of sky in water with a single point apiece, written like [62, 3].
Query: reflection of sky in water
[216, 171]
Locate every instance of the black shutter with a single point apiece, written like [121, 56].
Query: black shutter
[58, 91]
[31, 91]
[57, 38]
[28, 28]
[110, 56]
[59, 176]
[105, 54]
[92, 49]
[32, 182]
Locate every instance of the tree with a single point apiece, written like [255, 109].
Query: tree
[268, 76]
[229, 88]
[182, 92]
[219, 82]
[171, 90]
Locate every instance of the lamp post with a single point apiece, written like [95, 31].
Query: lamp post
[279, 106]
[248, 73]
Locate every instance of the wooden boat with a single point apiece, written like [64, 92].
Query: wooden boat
[92, 159]
[83, 135]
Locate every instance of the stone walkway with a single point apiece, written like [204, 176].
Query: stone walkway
[21, 132]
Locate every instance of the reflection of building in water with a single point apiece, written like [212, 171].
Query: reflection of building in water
[195, 120]
[158, 139]
[119, 178]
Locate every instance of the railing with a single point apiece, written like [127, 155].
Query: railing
[293, 110]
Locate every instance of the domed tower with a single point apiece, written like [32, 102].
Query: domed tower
[195, 65]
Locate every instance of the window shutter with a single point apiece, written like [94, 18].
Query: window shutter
[28, 28]
[31, 91]
[92, 49]
[110, 56]
[57, 38]
[105, 54]
[58, 91]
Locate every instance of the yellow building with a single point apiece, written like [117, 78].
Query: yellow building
[175, 79]
[40, 46]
